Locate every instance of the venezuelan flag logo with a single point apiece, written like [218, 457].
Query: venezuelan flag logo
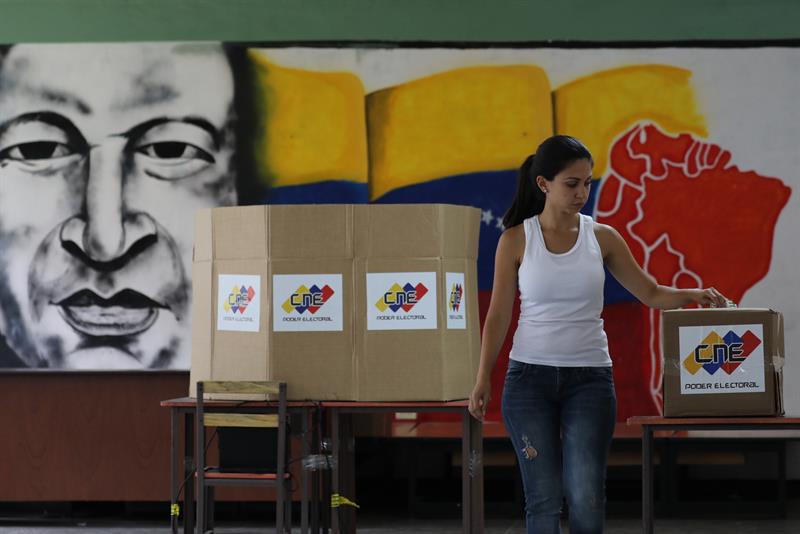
[456, 294]
[404, 297]
[238, 299]
[721, 352]
[306, 299]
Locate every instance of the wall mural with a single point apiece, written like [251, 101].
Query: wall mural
[106, 149]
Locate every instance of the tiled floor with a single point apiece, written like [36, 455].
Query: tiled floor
[386, 525]
[146, 518]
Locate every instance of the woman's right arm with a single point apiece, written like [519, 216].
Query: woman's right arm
[495, 326]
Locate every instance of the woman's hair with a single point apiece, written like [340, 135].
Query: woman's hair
[552, 157]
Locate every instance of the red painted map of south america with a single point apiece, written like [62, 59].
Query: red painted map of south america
[691, 219]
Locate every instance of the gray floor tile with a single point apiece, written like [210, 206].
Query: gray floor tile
[493, 526]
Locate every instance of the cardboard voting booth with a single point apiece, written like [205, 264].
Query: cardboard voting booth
[343, 302]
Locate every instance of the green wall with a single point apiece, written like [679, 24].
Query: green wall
[397, 20]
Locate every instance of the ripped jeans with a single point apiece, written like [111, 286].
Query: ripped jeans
[561, 421]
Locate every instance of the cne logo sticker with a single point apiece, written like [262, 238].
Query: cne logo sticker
[306, 299]
[401, 301]
[712, 363]
[239, 298]
[405, 297]
[238, 306]
[456, 294]
[455, 305]
[726, 353]
[307, 302]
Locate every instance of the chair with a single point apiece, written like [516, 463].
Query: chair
[242, 415]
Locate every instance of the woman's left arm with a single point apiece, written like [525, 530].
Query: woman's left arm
[620, 262]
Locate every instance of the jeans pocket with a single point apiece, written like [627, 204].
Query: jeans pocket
[516, 371]
[605, 374]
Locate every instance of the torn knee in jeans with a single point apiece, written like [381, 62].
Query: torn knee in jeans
[528, 450]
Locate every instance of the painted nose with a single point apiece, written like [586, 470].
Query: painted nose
[107, 230]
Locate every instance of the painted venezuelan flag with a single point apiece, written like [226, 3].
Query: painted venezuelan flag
[459, 136]
[311, 145]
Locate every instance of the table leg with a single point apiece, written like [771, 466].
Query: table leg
[304, 473]
[210, 499]
[782, 477]
[174, 474]
[344, 516]
[188, 472]
[471, 474]
[335, 481]
[317, 420]
[667, 472]
[477, 481]
[647, 479]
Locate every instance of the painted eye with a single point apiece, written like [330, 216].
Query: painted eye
[36, 151]
[175, 152]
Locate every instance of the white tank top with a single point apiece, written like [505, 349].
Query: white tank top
[561, 298]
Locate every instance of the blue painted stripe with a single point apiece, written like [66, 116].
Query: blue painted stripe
[491, 191]
[329, 192]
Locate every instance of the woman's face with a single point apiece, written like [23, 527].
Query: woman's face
[569, 190]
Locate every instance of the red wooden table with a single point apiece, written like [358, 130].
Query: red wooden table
[471, 449]
[342, 476]
[651, 424]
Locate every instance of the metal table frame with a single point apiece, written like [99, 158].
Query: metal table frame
[186, 407]
[650, 424]
[471, 449]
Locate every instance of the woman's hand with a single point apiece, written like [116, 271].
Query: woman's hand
[708, 298]
[479, 399]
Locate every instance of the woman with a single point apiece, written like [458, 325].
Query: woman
[558, 403]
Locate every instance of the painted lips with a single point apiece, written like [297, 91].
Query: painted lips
[125, 313]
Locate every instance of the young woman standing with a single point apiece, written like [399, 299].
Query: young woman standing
[558, 401]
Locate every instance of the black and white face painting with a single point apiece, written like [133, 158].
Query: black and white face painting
[105, 152]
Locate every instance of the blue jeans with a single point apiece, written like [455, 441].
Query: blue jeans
[561, 421]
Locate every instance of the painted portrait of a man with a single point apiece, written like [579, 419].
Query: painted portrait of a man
[105, 152]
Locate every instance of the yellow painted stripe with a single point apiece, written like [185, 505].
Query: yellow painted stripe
[314, 125]
[599, 108]
[460, 121]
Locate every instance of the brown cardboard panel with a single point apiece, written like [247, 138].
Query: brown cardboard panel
[461, 229]
[311, 231]
[396, 366]
[317, 364]
[473, 322]
[677, 403]
[318, 368]
[241, 355]
[460, 347]
[399, 364]
[239, 233]
[202, 325]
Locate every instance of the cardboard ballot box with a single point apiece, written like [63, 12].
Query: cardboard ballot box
[722, 361]
[343, 302]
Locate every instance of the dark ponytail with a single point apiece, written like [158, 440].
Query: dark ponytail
[529, 200]
[552, 157]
